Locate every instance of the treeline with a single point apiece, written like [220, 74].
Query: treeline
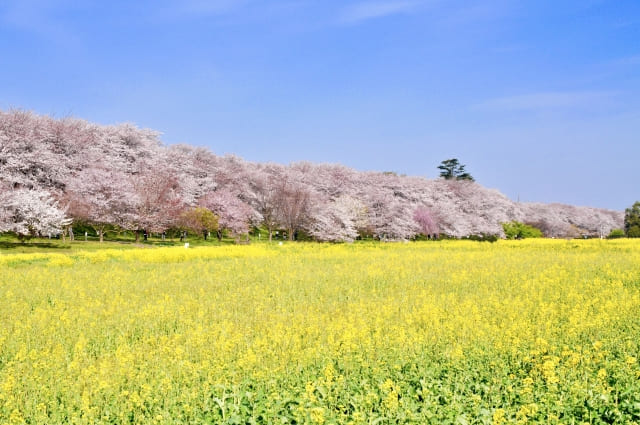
[54, 172]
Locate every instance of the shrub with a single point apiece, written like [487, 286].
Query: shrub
[483, 237]
[615, 234]
[517, 230]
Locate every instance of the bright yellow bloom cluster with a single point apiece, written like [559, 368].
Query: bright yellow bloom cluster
[541, 331]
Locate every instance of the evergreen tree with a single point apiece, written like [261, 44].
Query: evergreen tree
[451, 169]
[632, 221]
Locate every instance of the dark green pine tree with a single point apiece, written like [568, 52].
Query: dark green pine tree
[632, 221]
[451, 169]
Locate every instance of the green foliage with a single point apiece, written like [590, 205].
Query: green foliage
[616, 233]
[198, 219]
[451, 169]
[80, 226]
[632, 221]
[517, 230]
[483, 237]
[420, 237]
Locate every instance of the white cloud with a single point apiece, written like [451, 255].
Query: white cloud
[547, 100]
[375, 9]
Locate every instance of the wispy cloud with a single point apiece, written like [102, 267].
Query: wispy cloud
[547, 100]
[374, 9]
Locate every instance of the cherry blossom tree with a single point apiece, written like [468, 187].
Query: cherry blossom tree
[338, 220]
[263, 196]
[558, 220]
[102, 197]
[293, 203]
[232, 174]
[390, 205]
[31, 212]
[122, 175]
[156, 201]
[128, 146]
[26, 157]
[233, 214]
[391, 219]
[426, 221]
[5, 213]
[194, 169]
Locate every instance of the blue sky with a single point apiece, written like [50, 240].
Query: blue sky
[540, 99]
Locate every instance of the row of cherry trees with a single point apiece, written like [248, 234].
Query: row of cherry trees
[54, 171]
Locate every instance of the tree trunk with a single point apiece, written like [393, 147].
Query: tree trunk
[137, 236]
[101, 234]
[290, 234]
[270, 234]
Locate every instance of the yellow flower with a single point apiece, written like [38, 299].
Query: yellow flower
[317, 415]
[602, 374]
[499, 416]
[116, 333]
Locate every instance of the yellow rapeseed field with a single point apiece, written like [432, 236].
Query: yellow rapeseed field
[542, 331]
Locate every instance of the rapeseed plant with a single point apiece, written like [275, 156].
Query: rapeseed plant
[540, 331]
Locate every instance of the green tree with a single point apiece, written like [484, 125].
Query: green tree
[517, 230]
[451, 169]
[199, 219]
[616, 233]
[632, 221]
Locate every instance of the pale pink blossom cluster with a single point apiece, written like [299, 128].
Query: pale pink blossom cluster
[54, 170]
